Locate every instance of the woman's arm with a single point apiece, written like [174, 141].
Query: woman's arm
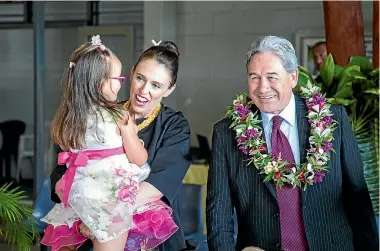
[147, 193]
[169, 165]
[55, 177]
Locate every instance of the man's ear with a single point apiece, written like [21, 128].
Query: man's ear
[294, 78]
[169, 91]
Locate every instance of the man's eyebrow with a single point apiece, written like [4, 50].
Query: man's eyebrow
[272, 73]
[252, 74]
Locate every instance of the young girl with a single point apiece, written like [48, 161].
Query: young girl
[105, 161]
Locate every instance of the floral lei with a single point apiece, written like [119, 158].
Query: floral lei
[250, 140]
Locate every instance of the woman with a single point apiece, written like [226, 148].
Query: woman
[165, 133]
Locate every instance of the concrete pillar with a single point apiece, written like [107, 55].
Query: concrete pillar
[39, 90]
[160, 23]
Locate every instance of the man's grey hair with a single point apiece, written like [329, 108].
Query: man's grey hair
[277, 45]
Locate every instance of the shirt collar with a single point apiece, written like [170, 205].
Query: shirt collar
[288, 114]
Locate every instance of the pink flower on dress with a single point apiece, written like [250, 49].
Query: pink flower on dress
[120, 172]
[123, 173]
[128, 193]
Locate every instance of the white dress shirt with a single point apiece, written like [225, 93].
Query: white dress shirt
[288, 127]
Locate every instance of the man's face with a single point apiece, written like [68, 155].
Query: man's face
[270, 86]
[319, 56]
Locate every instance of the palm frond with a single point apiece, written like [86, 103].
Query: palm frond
[367, 148]
[16, 222]
[356, 86]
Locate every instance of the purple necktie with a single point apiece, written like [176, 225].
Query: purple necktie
[293, 235]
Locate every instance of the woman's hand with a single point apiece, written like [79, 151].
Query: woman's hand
[147, 193]
[86, 231]
[57, 189]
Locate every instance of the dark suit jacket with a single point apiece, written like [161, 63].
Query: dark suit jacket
[337, 213]
[167, 141]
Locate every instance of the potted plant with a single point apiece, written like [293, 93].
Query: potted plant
[355, 86]
[17, 226]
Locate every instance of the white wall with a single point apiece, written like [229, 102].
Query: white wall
[214, 38]
[16, 50]
[16, 54]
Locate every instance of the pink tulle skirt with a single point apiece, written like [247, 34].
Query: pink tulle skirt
[62, 236]
[152, 227]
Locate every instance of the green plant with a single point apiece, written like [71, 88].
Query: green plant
[16, 222]
[355, 86]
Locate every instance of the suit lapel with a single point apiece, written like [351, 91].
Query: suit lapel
[270, 184]
[303, 133]
[303, 126]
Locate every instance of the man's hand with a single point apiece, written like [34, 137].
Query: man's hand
[252, 249]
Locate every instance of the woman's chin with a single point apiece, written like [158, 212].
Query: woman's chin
[137, 108]
[139, 105]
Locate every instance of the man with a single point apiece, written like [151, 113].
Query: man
[319, 56]
[333, 215]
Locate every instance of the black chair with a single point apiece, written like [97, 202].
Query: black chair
[201, 154]
[191, 213]
[11, 131]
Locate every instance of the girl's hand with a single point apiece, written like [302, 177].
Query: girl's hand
[126, 124]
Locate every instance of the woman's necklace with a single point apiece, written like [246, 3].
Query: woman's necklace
[149, 119]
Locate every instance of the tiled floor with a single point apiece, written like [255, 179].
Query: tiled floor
[4, 247]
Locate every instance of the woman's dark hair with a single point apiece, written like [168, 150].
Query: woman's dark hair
[166, 53]
[82, 96]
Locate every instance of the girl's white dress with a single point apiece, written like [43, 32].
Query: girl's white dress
[103, 191]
